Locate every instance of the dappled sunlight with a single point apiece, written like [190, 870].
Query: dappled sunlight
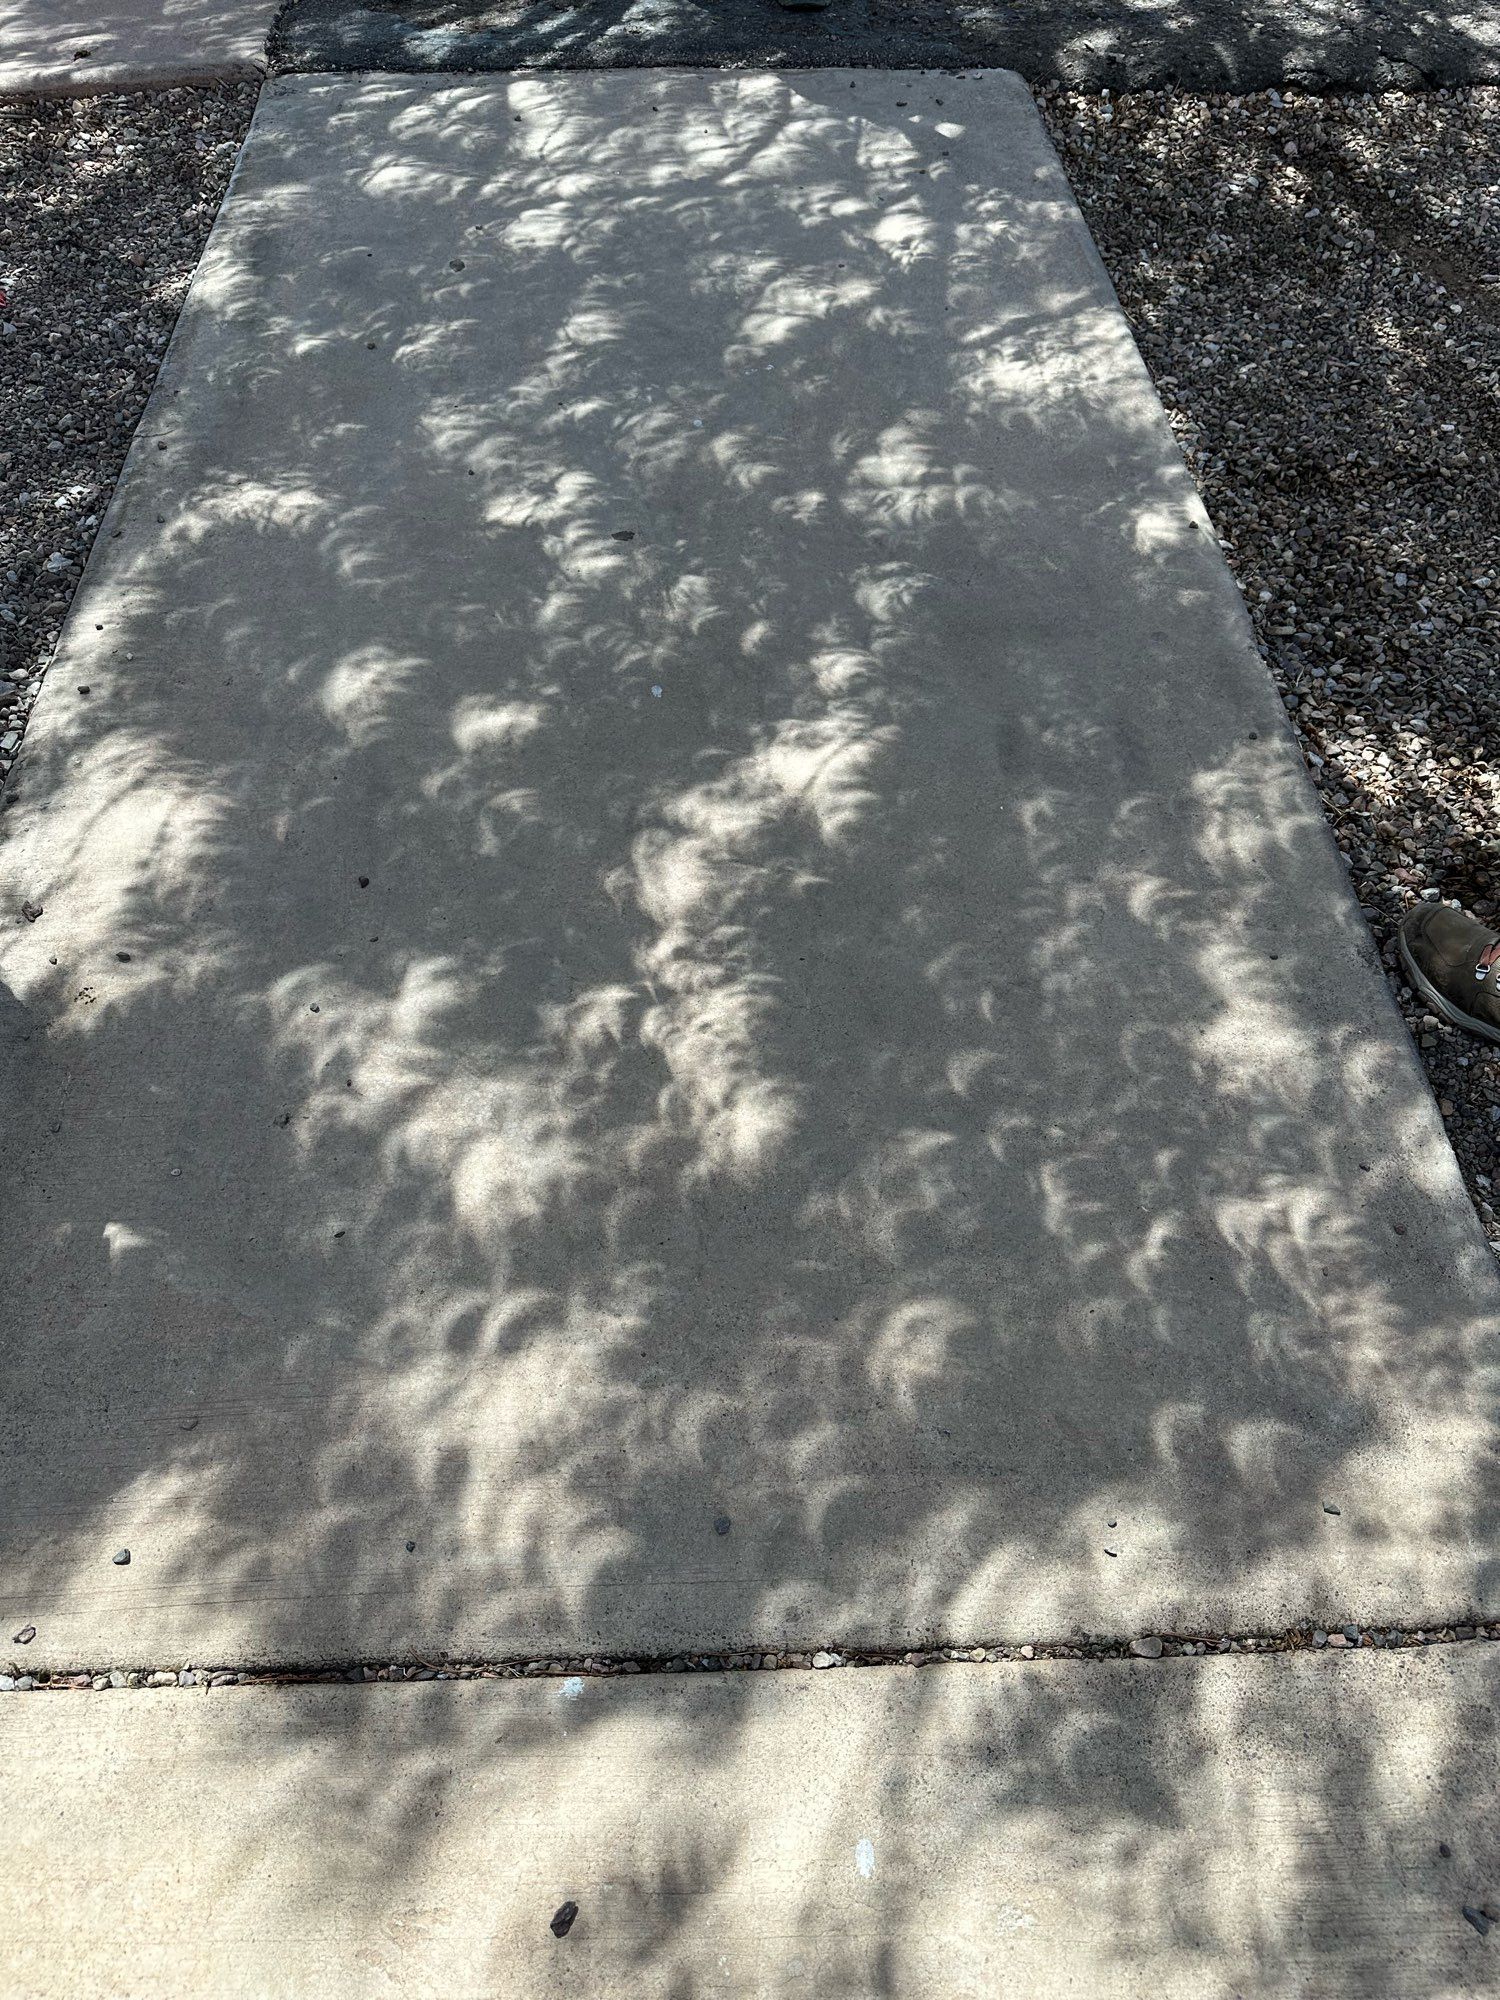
[67, 47]
[1134, 45]
[912, 1355]
[362, 694]
[260, 505]
[789, 305]
[694, 910]
[905, 481]
[1227, 1822]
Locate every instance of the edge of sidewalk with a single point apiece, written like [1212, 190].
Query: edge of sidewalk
[121, 79]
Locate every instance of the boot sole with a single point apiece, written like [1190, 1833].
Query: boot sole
[1435, 1000]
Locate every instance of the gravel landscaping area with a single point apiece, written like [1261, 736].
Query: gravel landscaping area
[1315, 284]
[105, 204]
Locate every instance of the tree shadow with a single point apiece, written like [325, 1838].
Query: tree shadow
[629, 957]
[1369, 234]
[1236, 45]
[1301, 1822]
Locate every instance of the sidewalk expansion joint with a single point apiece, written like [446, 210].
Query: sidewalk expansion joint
[1144, 1649]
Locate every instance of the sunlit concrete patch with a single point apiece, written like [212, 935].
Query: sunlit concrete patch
[671, 892]
[52, 48]
[1305, 1823]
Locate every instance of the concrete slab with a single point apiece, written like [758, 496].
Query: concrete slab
[1247, 1827]
[76, 48]
[683, 961]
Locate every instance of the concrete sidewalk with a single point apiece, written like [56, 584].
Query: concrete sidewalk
[1244, 1827]
[66, 48]
[688, 995]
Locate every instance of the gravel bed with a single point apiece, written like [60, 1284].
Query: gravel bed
[1151, 1646]
[105, 203]
[1315, 285]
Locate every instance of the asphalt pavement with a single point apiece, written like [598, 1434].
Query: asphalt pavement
[1235, 45]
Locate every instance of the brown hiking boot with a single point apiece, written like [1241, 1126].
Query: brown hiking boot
[1454, 963]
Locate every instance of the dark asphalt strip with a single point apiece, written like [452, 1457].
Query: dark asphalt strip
[1235, 45]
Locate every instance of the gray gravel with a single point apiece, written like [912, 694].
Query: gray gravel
[105, 203]
[1315, 284]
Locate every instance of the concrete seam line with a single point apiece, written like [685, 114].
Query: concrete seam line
[1144, 1650]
